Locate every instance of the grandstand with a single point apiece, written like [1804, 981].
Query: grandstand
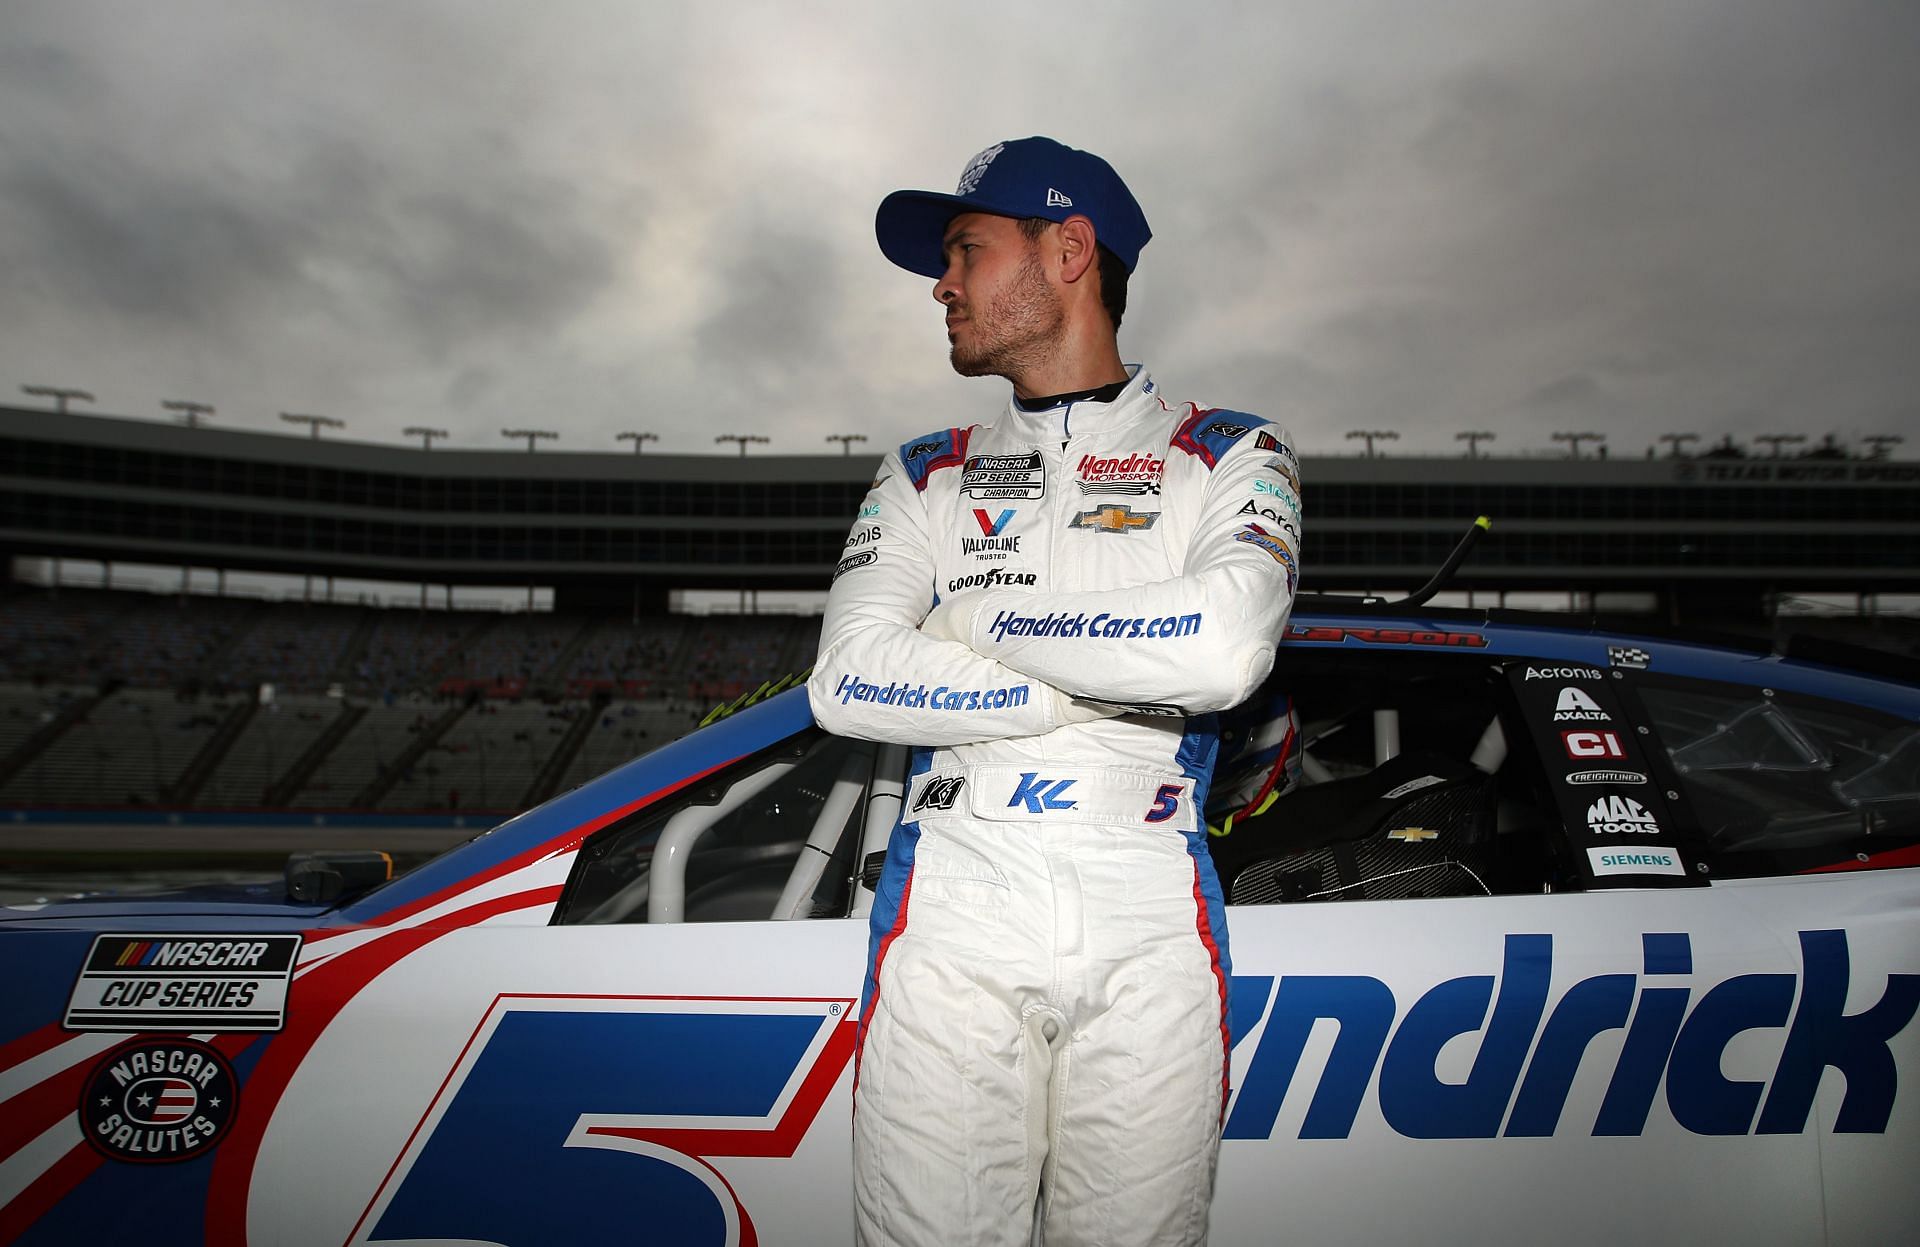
[125, 701]
[117, 700]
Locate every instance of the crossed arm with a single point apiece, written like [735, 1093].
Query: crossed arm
[1000, 663]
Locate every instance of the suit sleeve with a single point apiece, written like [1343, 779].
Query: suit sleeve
[1199, 641]
[878, 677]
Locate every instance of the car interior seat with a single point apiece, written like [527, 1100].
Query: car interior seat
[1420, 824]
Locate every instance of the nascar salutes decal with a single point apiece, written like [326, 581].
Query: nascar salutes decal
[157, 1101]
[184, 983]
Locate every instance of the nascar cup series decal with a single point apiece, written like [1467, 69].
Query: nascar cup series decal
[184, 983]
[157, 1101]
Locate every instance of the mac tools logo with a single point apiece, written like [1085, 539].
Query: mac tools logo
[992, 543]
[1620, 816]
[1575, 706]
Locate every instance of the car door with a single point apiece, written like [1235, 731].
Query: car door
[566, 1070]
[1565, 1046]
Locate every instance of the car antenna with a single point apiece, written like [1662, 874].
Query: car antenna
[1420, 596]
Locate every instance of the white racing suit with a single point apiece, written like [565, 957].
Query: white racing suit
[1043, 1029]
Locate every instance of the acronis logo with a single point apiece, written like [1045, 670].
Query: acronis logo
[1529, 1048]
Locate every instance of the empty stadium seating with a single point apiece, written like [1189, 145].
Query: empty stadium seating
[397, 710]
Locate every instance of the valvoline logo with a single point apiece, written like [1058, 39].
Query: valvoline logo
[1530, 1048]
[990, 525]
[559, 1101]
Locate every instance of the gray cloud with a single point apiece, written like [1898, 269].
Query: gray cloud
[1498, 214]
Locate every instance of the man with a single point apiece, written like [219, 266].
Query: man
[1044, 1025]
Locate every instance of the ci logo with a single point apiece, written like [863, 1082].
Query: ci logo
[1589, 745]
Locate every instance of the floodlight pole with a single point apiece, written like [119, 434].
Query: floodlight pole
[1473, 440]
[1573, 440]
[638, 439]
[1777, 440]
[425, 434]
[846, 440]
[742, 438]
[59, 394]
[314, 423]
[1372, 435]
[1675, 441]
[191, 413]
[532, 435]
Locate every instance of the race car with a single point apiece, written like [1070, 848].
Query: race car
[1538, 932]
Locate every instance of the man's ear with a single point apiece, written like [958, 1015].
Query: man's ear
[1077, 253]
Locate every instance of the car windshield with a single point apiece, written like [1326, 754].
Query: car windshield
[1777, 772]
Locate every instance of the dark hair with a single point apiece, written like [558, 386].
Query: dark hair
[1113, 274]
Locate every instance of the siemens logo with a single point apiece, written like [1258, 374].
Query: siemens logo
[920, 697]
[1102, 626]
[1530, 1049]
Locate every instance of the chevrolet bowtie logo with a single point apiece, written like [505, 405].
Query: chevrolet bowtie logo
[1115, 519]
[1412, 835]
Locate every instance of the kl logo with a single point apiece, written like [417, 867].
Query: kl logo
[991, 525]
[1115, 519]
[1041, 795]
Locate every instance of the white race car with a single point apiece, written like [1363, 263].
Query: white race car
[1538, 934]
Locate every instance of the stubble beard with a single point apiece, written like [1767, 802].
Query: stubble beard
[1020, 329]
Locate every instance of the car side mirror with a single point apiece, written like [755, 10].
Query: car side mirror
[328, 876]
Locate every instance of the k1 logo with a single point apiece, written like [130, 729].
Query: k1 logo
[581, 1120]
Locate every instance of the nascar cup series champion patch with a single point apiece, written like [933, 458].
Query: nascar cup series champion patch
[159, 1100]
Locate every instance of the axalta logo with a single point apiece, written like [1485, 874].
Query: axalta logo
[1576, 706]
[988, 579]
[1620, 816]
[1102, 626]
[1129, 474]
[1532, 1047]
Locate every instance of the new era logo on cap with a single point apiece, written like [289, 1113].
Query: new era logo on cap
[1020, 178]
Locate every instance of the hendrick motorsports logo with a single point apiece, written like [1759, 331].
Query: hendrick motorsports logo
[1620, 816]
[155, 1101]
[184, 983]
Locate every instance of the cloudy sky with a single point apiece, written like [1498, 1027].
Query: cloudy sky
[1515, 215]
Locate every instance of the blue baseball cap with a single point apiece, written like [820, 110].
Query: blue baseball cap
[1034, 177]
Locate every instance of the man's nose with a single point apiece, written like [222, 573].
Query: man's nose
[946, 290]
